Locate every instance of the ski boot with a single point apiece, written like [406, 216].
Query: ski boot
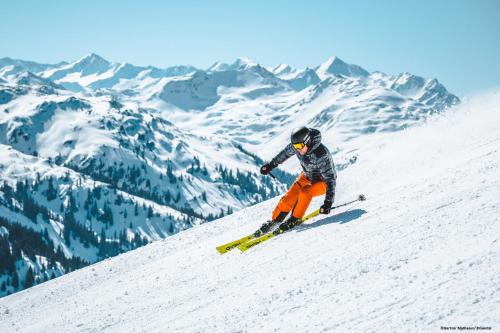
[269, 224]
[264, 228]
[292, 222]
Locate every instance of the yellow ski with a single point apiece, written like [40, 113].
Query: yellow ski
[248, 245]
[231, 245]
[307, 217]
[251, 243]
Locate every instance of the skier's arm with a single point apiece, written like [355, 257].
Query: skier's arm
[283, 155]
[278, 159]
[327, 169]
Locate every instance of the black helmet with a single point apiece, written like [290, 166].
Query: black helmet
[301, 135]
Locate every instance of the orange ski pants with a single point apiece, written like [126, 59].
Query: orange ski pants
[299, 196]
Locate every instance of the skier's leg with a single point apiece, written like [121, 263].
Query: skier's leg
[305, 196]
[285, 205]
[288, 201]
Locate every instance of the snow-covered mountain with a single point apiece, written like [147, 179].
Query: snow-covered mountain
[420, 254]
[13, 66]
[126, 155]
[336, 66]
[94, 72]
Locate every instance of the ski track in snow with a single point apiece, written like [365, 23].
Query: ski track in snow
[422, 252]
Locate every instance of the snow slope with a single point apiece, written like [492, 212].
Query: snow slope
[422, 252]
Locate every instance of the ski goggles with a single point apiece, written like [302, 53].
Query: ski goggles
[298, 146]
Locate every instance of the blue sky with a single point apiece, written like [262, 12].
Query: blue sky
[457, 41]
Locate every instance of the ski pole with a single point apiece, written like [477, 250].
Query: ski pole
[361, 197]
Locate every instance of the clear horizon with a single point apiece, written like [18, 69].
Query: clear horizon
[453, 41]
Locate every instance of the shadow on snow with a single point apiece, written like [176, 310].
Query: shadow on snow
[344, 217]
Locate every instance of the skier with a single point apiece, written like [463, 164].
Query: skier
[318, 178]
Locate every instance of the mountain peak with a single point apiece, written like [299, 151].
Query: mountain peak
[93, 58]
[89, 64]
[218, 66]
[6, 59]
[282, 69]
[243, 63]
[27, 78]
[336, 66]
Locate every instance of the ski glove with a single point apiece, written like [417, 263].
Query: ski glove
[326, 208]
[266, 168]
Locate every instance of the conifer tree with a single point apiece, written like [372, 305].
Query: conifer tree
[29, 280]
[15, 280]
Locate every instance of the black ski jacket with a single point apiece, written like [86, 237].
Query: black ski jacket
[317, 163]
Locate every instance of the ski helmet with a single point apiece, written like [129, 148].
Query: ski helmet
[301, 135]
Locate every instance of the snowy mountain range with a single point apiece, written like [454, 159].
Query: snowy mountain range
[97, 158]
[421, 254]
